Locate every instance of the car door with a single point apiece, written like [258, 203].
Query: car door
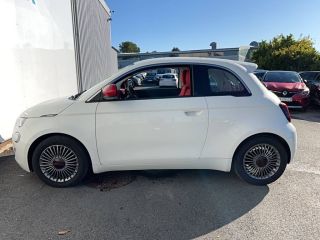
[228, 102]
[151, 133]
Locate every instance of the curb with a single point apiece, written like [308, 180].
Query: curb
[11, 153]
[6, 148]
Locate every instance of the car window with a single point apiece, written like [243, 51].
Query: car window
[151, 86]
[309, 75]
[259, 75]
[213, 81]
[223, 81]
[285, 77]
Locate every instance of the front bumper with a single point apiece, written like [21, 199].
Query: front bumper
[20, 146]
[299, 101]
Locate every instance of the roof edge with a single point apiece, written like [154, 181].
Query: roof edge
[250, 67]
[105, 6]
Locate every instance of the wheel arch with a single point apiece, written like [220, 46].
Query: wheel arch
[272, 135]
[43, 137]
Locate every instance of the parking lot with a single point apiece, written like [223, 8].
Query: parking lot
[169, 205]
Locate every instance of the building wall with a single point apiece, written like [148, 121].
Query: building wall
[38, 52]
[37, 56]
[97, 60]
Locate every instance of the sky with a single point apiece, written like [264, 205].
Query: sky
[160, 25]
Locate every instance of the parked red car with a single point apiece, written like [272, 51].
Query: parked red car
[289, 87]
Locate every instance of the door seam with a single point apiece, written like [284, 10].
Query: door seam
[206, 137]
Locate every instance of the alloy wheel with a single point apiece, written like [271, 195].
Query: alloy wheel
[59, 163]
[261, 161]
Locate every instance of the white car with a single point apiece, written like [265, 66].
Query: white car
[168, 80]
[234, 124]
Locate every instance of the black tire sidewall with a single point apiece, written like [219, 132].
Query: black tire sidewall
[238, 166]
[70, 143]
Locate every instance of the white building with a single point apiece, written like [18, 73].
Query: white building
[49, 49]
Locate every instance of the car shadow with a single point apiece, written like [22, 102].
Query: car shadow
[311, 115]
[180, 204]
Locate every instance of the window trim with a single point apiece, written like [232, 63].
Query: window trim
[247, 93]
[97, 97]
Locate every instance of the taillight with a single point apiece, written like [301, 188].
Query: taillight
[285, 111]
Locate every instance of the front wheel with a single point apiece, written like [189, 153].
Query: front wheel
[261, 160]
[60, 161]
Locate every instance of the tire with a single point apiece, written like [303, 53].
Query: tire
[60, 170]
[260, 160]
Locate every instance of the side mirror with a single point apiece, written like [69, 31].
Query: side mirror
[305, 80]
[110, 92]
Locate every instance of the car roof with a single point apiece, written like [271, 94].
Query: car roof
[250, 67]
[309, 72]
[281, 71]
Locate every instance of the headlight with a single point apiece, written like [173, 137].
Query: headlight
[305, 91]
[21, 121]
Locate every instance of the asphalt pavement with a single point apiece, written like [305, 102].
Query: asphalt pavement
[169, 205]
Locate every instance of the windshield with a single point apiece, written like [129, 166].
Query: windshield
[285, 77]
[309, 75]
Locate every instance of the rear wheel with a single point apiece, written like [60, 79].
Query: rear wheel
[260, 160]
[60, 161]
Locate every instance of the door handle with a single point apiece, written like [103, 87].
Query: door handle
[193, 113]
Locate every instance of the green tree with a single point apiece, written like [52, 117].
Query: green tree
[175, 49]
[128, 47]
[287, 53]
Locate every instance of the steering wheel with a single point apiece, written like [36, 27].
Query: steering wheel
[129, 89]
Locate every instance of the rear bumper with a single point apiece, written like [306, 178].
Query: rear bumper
[168, 84]
[291, 140]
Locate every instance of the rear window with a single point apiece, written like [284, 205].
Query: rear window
[286, 77]
[168, 76]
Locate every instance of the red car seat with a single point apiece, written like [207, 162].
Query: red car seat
[186, 84]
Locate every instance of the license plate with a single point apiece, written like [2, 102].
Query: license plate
[286, 99]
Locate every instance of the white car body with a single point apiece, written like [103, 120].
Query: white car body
[173, 133]
[168, 80]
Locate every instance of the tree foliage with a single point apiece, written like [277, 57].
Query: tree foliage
[287, 53]
[175, 49]
[128, 47]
